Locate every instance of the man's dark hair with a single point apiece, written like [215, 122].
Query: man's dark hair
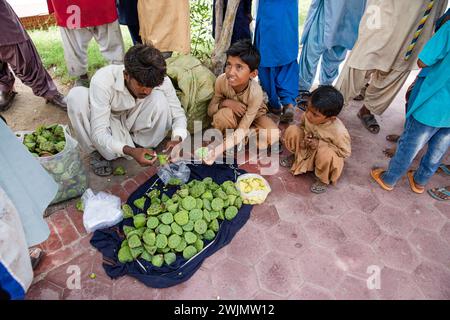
[146, 65]
[248, 53]
[327, 100]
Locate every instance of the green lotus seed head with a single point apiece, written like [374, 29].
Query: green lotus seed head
[221, 215]
[183, 193]
[174, 241]
[167, 218]
[209, 235]
[214, 225]
[170, 258]
[208, 195]
[148, 156]
[214, 214]
[226, 203]
[124, 255]
[155, 193]
[231, 199]
[190, 237]
[139, 220]
[149, 237]
[155, 200]
[146, 256]
[200, 226]
[124, 243]
[134, 241]
[181, 246]
[189, 203]
[199, 244]
[207, 180]
[161, 241]
[199, 203]
[207, 204]
[136, 252]
[176, 198]
[164, 229]
[158, 260]
[139, 203]
[189, 252]
[154, 209]
[197, 189]
[150, 249]
[128, 229]
[163, 250]
[238, 202]
[152, 222]
[174, 181]
[182, 217]
[188, 226]
[231, 212]
[119, 171]
[219, 193]
[195, 214]
[173, 208]
[217, 204]
[176, 229]
[127, 212]
[206, 215]
[214, 186]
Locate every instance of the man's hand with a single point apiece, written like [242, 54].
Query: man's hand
[139, 154]
[238, 108]
[173, 147]
[213, 154]
[311, 142]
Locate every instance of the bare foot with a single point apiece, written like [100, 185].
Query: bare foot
[389, 152]
[392, 137]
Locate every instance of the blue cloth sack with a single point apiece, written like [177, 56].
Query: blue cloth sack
[108, 241]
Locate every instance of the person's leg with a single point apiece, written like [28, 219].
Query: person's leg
[351, 81]
[75, 44]
[331, 60]
[268, 132]
[110, 41]
[7, 92]
[413, 139]
[287, 89]
[134, 32]
[292, 139]
[224, 119]
[328, 168]
[437, 148]
[267, 80]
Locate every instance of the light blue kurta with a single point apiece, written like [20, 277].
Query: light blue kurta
[331, 30]
[431, 107]
[29, 187]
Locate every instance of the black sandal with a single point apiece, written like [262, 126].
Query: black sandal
[369, 122]
[100, 165]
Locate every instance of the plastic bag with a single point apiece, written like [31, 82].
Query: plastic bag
[254, 196]
[101, 210]
[174, 173]
[66, 168]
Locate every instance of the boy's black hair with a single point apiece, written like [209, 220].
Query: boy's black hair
[146, 65]
[248, 53]
[327, 100]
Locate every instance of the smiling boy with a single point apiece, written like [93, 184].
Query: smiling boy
[238, 101]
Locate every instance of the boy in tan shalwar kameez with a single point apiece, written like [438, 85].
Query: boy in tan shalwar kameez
[238, 102]
[321, 142]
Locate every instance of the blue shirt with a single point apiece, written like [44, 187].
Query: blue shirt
[432, 105]
[276, 33]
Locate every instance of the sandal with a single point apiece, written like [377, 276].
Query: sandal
[444, 168]
[376, 173]
[288, 115]
[414, 187]
[318, 187]
[36, 255]
[288, 161]
[369, 122]
[392, 137]
[100, 165]
[389, 152]
[440, 194]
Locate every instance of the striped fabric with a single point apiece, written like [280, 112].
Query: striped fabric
[419, 30]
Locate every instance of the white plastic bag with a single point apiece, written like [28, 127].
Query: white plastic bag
[254, 196]
[101, 210]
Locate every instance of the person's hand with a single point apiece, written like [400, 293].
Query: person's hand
[213, 154]
[238, 108]
[171, 144]
[140, 154]
[311, 142]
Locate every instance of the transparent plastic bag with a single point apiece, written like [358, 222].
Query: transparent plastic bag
[253, 196]
[174, 173]
[65, 167]
[101, 210]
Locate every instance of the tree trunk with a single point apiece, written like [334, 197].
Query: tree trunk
[226, 31]
[219, 19]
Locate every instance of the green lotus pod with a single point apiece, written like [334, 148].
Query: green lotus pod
[190, 237]
[195, 214]
[124, 243]
[207, 195]
[206, 215]
[173, 208]
[226, 203]
[161, 241]
[163, 250]
[207, 204]
[207, 181]
[119, 171]
[139, 203]
[188, 226]
[139, 220]
[188, 203]
[29, 138]
[127, 212]
[163, 159]
[174, 241]
[176, 229]
[146, 256]
[209, 235]
[170, 258]
[128, 229]
[174, 181]
[149, 237]
[165, 198]
[58, 131]
[200, 226]
[189, 252]
[214, 214]
[59, 169]
[164, 229]
[214, 225]
[150, 249]
[231, 199]
[59, 146]
[219, 193]
[158, 260]
[221, 215]
[181, 246]
[231, 212]
[155, 201]
[199, 203]
[182, 217]
[30, 145]
[167, 218]
[124, 255]
[238, 202]
[214, 186]
[152, 222]
[155, 193]
[154, 209]
[136, 252]
[197, 190]
[80, 206]
[183, 193]
[176, 198]
[134, 241]
[199, 244]
[217, 204]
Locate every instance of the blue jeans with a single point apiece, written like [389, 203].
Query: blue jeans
[415, 136]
